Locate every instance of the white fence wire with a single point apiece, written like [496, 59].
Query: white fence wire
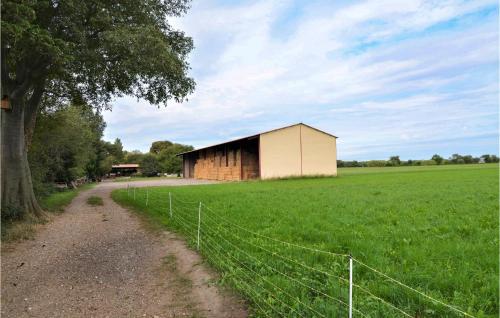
[283, 284]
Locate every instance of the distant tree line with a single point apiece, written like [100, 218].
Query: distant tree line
[67, 148]
[434, 160]
[161, 158]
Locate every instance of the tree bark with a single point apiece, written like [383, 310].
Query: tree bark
[18, 198]
[31, 111]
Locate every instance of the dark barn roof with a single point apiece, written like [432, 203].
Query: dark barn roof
[253, 136]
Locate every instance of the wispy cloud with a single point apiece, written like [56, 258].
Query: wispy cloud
[389, 77]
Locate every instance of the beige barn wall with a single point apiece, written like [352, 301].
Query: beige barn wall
[280, 153]
[319, 152]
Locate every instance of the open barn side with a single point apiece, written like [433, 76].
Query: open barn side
[233, 161]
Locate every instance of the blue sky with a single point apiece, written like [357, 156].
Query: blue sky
[409, 78]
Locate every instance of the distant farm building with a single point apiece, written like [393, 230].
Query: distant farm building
[125, 169]
[297, 150]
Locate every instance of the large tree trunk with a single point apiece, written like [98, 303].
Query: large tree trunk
[18, 198]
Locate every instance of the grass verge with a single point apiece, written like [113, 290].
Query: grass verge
[94, 201]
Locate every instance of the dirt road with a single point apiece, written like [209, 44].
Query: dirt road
[102, 262]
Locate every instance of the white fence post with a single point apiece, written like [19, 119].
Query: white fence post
[134, 193]
[170, 203]
[147, 196]
[199, 223]
[350, 285]
[128, 190]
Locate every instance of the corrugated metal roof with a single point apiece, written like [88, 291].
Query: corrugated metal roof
[255, 135]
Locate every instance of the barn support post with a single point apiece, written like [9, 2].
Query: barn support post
[170, 203]
[241, 160]
[199, 225]
[350, 285]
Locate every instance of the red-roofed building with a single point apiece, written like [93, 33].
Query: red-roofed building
[125, 169]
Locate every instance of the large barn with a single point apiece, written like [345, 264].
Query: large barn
[296, 150]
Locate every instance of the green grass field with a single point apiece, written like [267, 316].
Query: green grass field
[432, 228]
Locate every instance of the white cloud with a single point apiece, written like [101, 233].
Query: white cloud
[354, 70]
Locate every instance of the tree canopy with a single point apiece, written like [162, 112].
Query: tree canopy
[64, 146]
[95, 50]
[167, 156]
[150, 166]
[158, 146]
[162, 157]
[57, 53]
[114, 150]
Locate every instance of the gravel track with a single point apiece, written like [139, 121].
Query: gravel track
[102, 262]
